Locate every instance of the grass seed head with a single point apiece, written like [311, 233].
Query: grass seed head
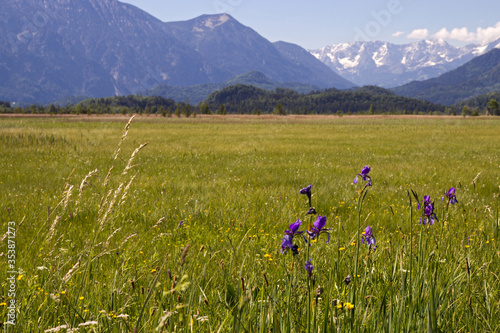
[184, 254]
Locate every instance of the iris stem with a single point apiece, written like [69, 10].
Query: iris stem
[411, 242]
[290, 277]
[355, 280]
[308, 295]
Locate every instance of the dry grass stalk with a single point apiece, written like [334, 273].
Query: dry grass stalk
[103, 204]
[111, 236]
[66, 184]
[160, 221]
[70, 272]
[84, 184]
[125, 191]
[53, 228]
[124, 136]
[132, 157]
[68, 193]
[7, 232]
[106, 180]
[55, 245]
[110, 207]
[475, 178]
[127, 239]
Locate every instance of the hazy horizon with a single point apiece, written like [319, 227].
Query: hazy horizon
[312, 27]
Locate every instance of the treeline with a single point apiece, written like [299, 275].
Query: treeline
[132, 104]
[248, 99]
[483, 104]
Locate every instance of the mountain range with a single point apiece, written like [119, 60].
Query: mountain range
[391, 65]
[66, 50]
[97, 48]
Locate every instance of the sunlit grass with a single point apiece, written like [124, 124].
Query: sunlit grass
[234, 182]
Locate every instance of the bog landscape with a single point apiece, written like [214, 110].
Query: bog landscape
[193, 176]
[158, 224]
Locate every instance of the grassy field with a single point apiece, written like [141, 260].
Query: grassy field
[99, 245]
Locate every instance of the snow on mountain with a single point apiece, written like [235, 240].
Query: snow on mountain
[390, 65]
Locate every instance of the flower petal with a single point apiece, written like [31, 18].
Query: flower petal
[328, 235]
[294, 227]
[320, 222]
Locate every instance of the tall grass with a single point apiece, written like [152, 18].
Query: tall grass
[101, 244]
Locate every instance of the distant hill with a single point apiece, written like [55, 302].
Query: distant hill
[480, 102]
[248, 99]
[479, 76]
[373, 90]
[200, 92]
[70, 100]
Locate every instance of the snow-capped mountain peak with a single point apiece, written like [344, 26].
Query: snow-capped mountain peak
[390, 65]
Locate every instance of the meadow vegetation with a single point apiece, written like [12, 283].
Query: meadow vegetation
[100, 246]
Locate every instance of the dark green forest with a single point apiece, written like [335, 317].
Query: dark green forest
[247, 99]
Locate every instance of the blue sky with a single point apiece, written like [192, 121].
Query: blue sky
[317, 23]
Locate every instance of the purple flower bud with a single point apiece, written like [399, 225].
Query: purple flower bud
[309, 267]
[306, 191]
[311, 211]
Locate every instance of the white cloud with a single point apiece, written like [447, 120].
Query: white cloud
[461, 34]
[482, 35]
[418, 34]
[442, 34]
[398, 33]
[489, 34]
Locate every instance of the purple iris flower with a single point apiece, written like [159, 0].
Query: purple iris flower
[181, 223]
[318, 228]
[364, 176]
[427, 201]
[309, 267]
[429, 215]
[287, 242]
[368, 239]
[452, 198]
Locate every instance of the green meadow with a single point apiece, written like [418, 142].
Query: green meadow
[91, 224]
